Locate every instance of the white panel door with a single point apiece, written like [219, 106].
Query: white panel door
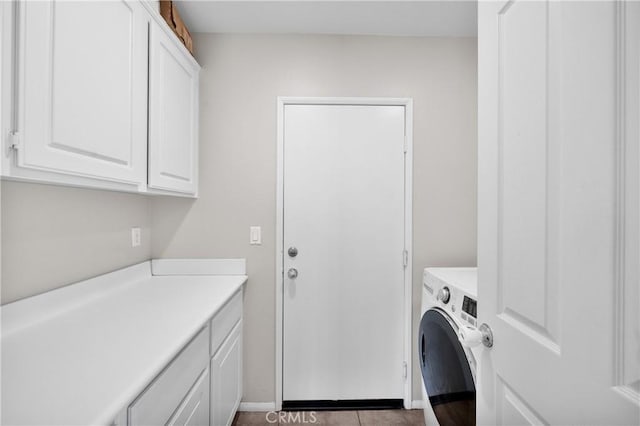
[173, 115]
[558, 212]
[344, 213]
[83, 80]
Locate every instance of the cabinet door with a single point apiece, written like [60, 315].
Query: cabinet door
[83, 89]
[226, 379]
[173, 115]
[194, 410]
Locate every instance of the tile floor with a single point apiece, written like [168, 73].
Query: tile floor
[335, 418]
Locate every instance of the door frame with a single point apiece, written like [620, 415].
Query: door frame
[407, 103]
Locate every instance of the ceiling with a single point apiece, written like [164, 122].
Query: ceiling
[451, 18]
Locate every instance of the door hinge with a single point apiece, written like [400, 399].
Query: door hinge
[14, 140]
[405, 258]
[404, 370]
[405, 145]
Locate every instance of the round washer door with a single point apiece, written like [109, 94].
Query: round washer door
[445, 370]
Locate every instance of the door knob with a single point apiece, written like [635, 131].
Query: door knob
[292, 252]
[292, 273]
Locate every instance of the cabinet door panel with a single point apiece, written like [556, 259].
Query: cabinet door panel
[226, 379]
[83, 80]
[173, 116]
[194, 410]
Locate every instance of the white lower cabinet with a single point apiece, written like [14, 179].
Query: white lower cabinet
[226, 379]
[202, 385]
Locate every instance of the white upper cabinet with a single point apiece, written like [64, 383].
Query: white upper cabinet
[82, 89]
[173, 115]
[98, 94]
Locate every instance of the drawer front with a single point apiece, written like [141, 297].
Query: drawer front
[223, 322]
[194, 410]
[158, 402]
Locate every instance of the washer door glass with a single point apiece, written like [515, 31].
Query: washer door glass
[445, 370]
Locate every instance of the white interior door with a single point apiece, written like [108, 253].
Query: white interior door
[558, 212]
[343, 331]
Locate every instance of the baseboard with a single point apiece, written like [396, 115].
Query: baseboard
[342, 405]
[417, 404]
[257, 406]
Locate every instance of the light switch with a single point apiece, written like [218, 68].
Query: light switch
[255, 235]
[135, 237]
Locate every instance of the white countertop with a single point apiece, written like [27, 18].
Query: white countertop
[82, 358]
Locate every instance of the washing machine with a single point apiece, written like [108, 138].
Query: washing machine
[448, 345]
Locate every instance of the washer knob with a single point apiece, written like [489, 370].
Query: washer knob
[444, 295]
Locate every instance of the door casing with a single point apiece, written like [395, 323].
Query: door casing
[407, 103]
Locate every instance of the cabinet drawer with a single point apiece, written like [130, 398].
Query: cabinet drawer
[224, 321]
[158, 402]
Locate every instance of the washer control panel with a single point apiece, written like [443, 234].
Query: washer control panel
[453, 290]
[454, 300]
[469, 311]
[470, 306]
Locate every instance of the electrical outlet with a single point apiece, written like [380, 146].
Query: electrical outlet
[135, 237]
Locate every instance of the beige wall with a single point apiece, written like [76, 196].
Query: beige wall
[241, 77]
[53, 236]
